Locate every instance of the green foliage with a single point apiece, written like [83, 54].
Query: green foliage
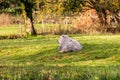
[10, 6]
[4, 4]
[114, 6]
[29, 6]
[72, 6]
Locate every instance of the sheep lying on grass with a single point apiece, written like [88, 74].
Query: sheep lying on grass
[68, 45]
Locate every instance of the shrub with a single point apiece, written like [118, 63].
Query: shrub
[87, 22]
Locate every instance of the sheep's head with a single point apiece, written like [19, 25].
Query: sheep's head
[63, 39]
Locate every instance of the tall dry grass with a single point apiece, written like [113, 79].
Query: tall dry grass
[7, 19]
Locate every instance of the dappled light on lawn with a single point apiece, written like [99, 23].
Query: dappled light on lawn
[40, 55]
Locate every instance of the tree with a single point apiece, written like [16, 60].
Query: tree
[28, 6]
[114, 8]
[10, 6]
[102, 6]
[70, 7]
[25, 7]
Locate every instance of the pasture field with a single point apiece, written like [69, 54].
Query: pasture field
[19, 29]
[8, 30]
[37, 58]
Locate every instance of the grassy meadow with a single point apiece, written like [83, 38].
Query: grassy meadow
[37, 58]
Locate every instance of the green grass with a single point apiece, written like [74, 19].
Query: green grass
[37, 58]
[8, 30]
[48, 29]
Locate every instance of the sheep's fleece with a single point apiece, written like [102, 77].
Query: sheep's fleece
[68, 45]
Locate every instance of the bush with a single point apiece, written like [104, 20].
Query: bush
[87, 23]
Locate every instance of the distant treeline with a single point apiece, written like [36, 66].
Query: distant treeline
[34, 11]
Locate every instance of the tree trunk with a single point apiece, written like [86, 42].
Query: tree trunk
[28, 7]
[29, 24]
[118, 20]
[102, 17]
[117, 17]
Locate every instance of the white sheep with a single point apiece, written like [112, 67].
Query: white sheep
[68, 45]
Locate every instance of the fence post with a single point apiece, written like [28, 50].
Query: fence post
[43, 26]
[20, 27]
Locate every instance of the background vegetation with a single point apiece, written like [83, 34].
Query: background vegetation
[85, 16]
[29, 58]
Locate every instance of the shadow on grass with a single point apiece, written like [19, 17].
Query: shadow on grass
[41, 72]
[13, 36]
[89, 52]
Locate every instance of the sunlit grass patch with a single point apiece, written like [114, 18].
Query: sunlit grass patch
[38, 58]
